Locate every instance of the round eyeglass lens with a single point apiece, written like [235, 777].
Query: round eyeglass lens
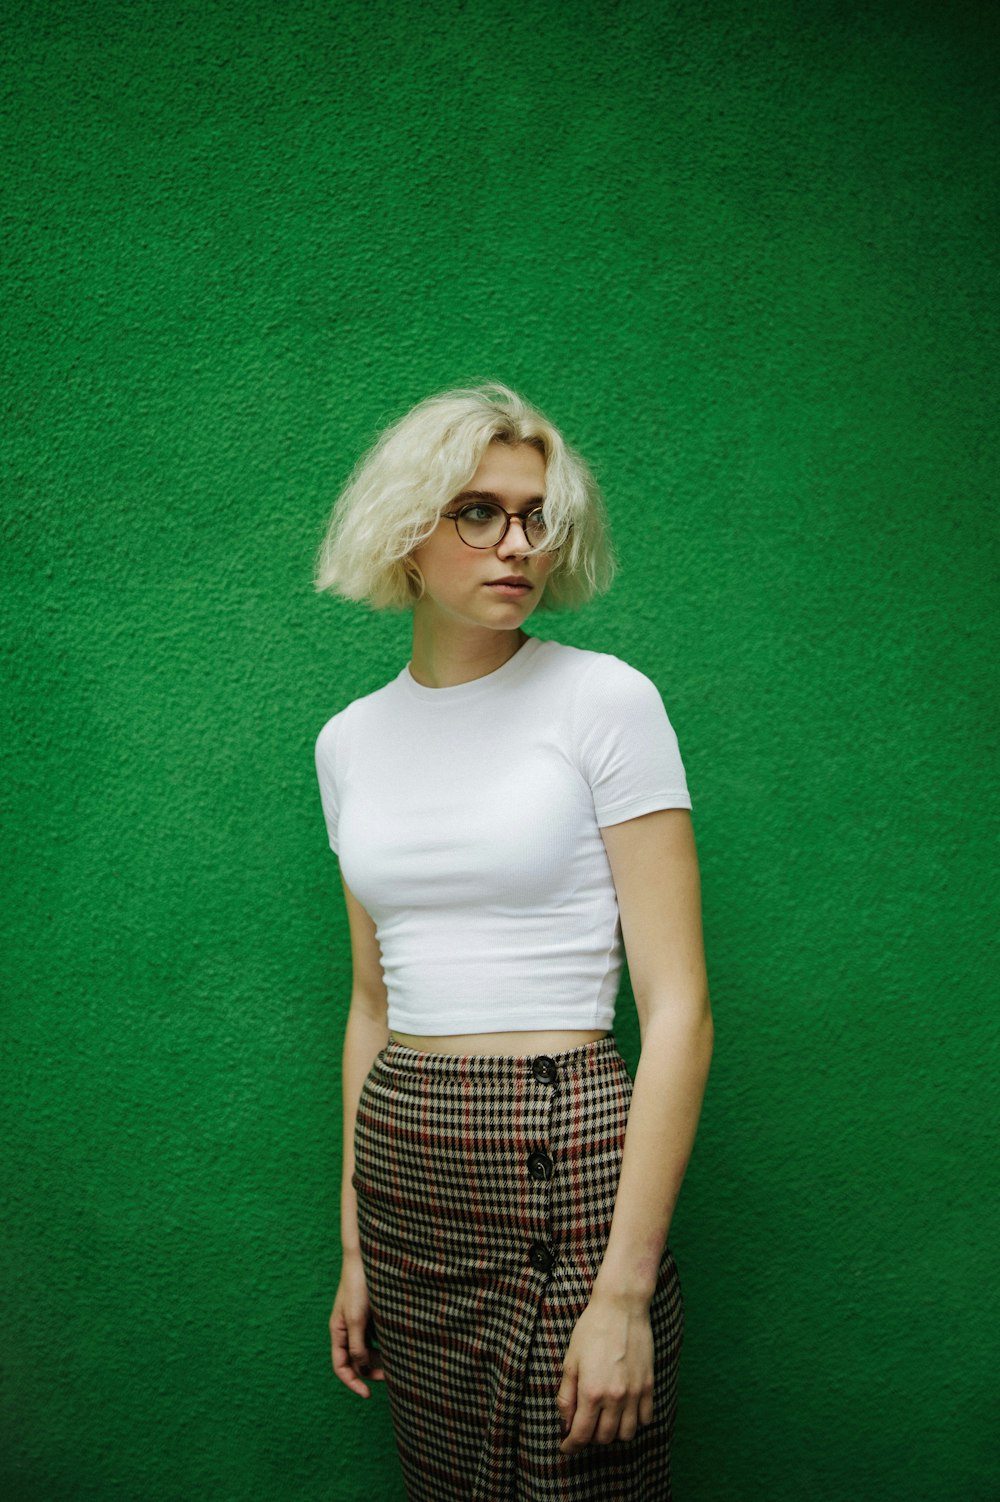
[483, 525]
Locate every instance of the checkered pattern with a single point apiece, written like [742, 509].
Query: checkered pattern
[480, 1262]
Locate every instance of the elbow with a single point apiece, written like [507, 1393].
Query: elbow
[691, 1016]
[708, 1027]
[701, 1041]
[701, 1024]
[706, 1018]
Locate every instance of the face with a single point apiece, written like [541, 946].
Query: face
[466, 584]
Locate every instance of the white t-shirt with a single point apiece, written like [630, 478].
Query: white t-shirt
[467, 821]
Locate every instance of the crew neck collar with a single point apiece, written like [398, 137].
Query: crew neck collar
[468, 690]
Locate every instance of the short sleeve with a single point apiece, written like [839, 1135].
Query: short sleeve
[626, 744]
[326, 772]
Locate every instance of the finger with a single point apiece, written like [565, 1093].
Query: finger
[371, 1364]
[583, 1425]
[628, 1424]
[646, 1408]
[343, 1362]
[566, 1400]
[366, 1358]
[608, 1422]
[345, 1371]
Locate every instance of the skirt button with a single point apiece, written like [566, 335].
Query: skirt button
[539, 1165]
[541, 1258]
[544, 1069]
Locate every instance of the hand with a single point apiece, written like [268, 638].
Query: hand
[606, 1391]
[353, 1357]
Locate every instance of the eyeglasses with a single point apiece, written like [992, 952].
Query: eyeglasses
[483, 524]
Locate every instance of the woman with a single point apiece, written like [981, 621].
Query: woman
[506, 811]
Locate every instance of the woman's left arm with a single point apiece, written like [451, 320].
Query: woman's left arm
[607, 1386]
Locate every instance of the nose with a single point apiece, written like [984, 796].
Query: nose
[515, 542]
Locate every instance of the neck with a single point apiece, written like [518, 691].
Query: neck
[447, 653]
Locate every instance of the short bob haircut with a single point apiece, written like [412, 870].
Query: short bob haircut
[395, 495]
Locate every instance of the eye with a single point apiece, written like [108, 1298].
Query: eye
[534, 525]
[479, 514]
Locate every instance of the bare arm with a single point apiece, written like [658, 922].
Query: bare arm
[366, 1035]
[606, 1391]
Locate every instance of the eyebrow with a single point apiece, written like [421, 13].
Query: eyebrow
[490, 495]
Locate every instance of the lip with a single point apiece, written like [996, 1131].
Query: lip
[511, 584]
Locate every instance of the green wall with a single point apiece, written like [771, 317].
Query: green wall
[745, 254]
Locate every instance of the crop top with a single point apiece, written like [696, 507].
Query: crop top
[467, 822]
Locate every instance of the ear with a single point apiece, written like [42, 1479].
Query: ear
[415, 577]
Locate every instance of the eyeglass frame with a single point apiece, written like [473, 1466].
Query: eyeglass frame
[482, 547]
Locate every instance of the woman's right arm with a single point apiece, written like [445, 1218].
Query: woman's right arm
[366, 1035]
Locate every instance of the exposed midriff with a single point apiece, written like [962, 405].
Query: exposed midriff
[557, 1040]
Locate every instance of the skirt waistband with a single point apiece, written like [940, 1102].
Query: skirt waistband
[599, 1057]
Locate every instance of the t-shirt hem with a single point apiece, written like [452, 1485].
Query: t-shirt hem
[442, 1027]
[636, 806]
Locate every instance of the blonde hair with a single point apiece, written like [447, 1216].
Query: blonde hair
[393, 499]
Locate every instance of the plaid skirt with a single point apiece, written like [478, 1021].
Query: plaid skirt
[485, 1191]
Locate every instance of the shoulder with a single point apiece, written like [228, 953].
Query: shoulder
[621, 738]
[352, 719]
[598, 678]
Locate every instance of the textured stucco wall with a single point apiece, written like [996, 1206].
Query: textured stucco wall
[746, 254]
